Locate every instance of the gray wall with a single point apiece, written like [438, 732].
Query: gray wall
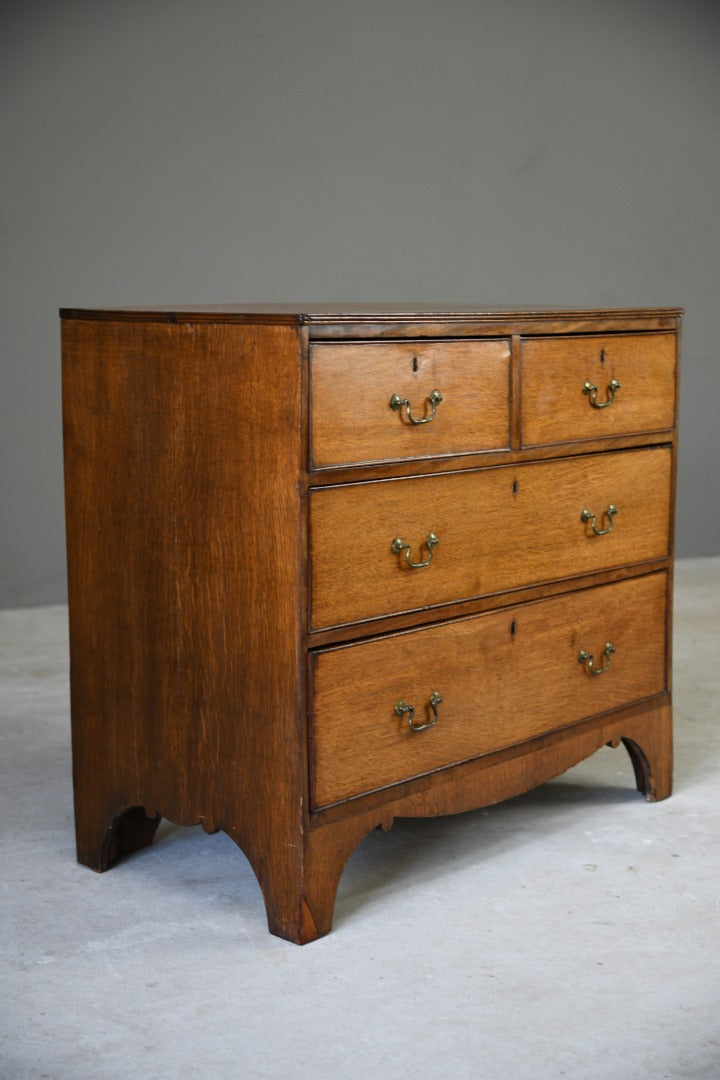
[169, 151]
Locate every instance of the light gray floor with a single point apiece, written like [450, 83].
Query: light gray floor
[572, 932]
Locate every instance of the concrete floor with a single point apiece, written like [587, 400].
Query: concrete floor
[574, 931]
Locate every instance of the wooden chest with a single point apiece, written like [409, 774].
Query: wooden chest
[331, 567]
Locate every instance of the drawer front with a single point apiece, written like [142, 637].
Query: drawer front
[503, 678]
[497, 529]
[352, 385]
[562, 377]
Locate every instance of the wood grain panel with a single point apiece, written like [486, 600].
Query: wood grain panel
[554, 371]
[352, 383]
[504, 678]
[182, 529]
[498, 529]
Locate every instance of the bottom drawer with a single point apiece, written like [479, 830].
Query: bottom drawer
[503, 677]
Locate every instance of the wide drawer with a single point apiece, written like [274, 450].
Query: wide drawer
[592, 387]
[503, 678]
[496, 529]
[352, 385]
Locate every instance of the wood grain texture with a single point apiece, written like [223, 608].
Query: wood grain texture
[485, 780]
[504, 678]
[554, 370]
[498, 529]
[397, 326]
[407, 620]
[391, 470]
[644, 729]
[351, 385]
[181, 528]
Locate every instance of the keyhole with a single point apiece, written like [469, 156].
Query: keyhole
[515, 489]
[415, 363]
[513, 628]
[602, 356]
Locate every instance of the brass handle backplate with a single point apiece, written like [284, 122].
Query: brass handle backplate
[588, 516]
[397, 403]
[399, 545]
[402, 709]
[586, 659]
[592, 392]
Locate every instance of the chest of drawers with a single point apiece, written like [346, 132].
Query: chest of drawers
[332, 567]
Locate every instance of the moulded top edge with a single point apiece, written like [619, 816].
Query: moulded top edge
[354, 313]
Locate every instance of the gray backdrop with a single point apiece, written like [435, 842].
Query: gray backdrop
[516, 151]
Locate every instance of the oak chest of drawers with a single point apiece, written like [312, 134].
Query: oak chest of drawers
[332, 567]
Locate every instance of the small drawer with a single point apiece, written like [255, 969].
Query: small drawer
[502, 678]
[378, 401]
[496, 529]
[596, 386]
